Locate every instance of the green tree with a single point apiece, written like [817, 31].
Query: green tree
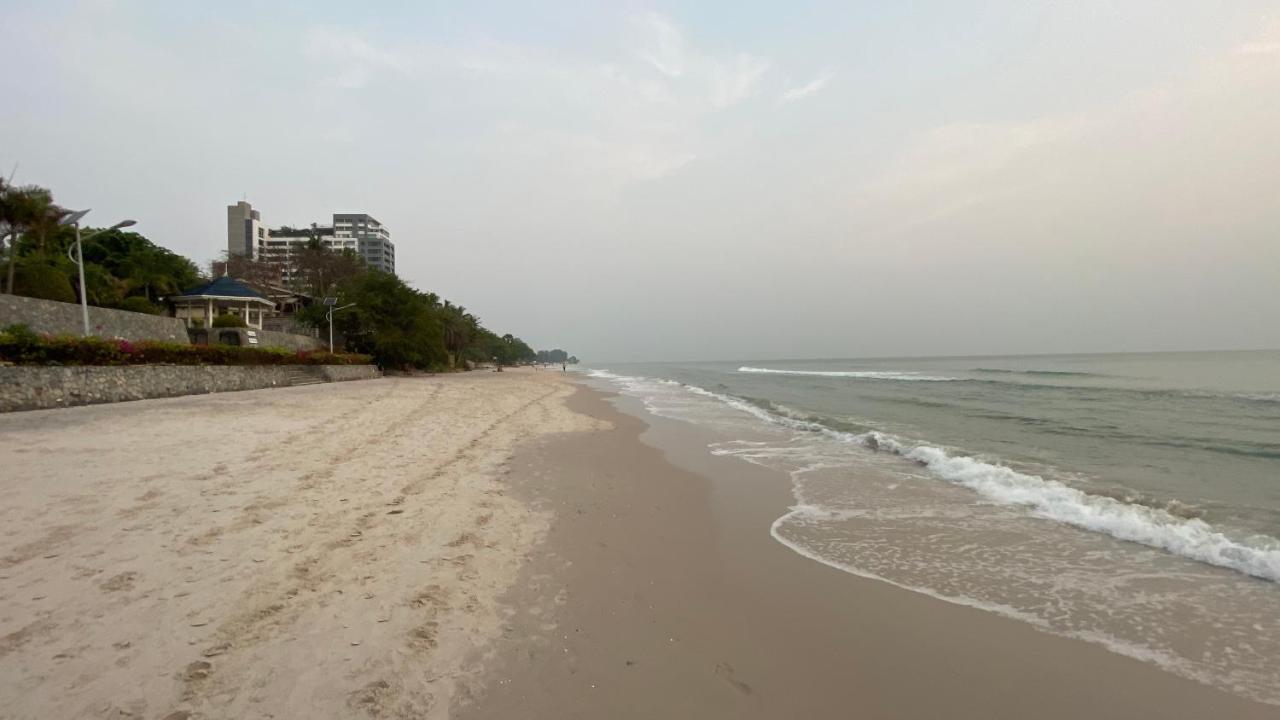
[460, 331]
[25, 210]
[391, 321]
[157, 271]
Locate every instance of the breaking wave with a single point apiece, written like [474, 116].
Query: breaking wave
[1170, 528]
[865, 374]
[1060, 373]
[1156, 527]
[1028, 386]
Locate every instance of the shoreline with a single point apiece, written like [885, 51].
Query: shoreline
[476, 546]
[662, 594]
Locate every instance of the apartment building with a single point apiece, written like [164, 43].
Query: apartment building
[246, 235]
[373, 240]
[358, 232]
[284, 243]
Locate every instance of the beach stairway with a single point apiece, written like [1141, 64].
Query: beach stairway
[304, 376]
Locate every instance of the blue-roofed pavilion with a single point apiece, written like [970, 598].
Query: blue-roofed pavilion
[223, 296]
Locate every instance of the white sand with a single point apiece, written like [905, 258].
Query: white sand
[321, 552]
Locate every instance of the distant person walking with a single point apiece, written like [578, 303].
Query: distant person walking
[564, 367]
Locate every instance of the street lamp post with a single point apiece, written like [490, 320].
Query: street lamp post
[331, 302]
[74, 219]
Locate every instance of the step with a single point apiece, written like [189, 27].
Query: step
[304, 377]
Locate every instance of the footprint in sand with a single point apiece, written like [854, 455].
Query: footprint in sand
[123, 581]
[198, 670]
[725, 671]
[424, 636]
[465, 538]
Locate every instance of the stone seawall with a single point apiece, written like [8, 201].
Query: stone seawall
[290, 341]
[51, 317]
[36, 388]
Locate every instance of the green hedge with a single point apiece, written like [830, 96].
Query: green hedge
[20, 346]
[139, 304]
[229, 321]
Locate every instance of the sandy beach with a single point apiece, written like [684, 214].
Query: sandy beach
[325, 551]
[487, 545]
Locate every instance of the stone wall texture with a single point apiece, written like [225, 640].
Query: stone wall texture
[58, 318]
[42, 387]
[289, 341]
[50, 317]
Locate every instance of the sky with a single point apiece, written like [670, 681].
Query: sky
[683, 181]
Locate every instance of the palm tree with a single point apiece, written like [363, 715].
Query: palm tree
[26, 209]
[459, 329]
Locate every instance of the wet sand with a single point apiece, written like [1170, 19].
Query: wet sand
[660, 593]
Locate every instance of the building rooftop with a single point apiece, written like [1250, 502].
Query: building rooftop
[223, 287]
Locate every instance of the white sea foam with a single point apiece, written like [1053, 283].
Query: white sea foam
[863, 374]
[1192, 538]
[1168, 661]
[1046, 498]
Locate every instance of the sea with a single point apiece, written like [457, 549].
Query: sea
[1130, 500]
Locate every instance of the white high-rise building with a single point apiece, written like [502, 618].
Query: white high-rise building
[357, 232]
[373, 240]
[245, 233]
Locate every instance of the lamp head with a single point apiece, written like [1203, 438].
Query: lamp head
[73, 217]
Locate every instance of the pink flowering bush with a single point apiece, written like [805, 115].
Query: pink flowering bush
[20, 346]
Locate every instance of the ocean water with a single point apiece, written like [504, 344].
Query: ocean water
[1131, 500]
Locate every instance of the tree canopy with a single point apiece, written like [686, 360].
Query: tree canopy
[400, 326]
[556, 356]
[122, 269]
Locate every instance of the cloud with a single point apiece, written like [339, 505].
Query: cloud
[665, 49]
[354, 59]
[718, 79]
[1260, 48]
[1266, 42]
[810, 88]
[1160, 154]
[736, 80]
[634, 112]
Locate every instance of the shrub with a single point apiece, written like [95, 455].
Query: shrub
[39, 280]
[139, 304]
[21, 346]
[20, 331]
[229, 321]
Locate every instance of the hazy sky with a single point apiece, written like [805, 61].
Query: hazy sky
[631, 180]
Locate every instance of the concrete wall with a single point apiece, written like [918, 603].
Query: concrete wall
[289, 341]
[59, 318]
[39, 387]
[343, 373]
